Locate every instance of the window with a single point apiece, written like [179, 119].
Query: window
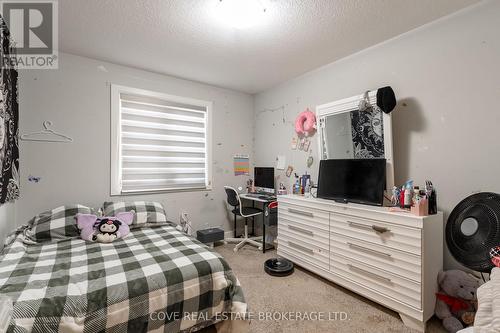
[159, 142]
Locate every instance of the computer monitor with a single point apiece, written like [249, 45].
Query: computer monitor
[264, 179]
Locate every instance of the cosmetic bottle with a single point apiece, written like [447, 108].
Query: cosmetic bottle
[307, 189]
[408, 197]
[402, 197]
[416, 195]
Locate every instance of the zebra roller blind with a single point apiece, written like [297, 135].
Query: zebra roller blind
[162, 142]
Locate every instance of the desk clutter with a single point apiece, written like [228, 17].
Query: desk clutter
[420, 201]
[302, 184]
[260, 195]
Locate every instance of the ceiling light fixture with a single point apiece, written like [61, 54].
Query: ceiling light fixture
[239, 14]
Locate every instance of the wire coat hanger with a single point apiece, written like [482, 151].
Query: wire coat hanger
[47, 131]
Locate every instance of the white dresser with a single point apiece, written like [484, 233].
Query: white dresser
[390, 258]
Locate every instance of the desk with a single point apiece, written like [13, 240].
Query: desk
[264, 202]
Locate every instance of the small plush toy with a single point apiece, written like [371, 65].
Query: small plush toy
[104, 229]
[456, 302]
[495, 256]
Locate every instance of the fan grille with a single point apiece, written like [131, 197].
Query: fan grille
[473, 250]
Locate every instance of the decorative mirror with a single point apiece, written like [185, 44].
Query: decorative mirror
[345, 131]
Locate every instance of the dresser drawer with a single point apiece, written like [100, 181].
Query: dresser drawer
[377, 232]
[308, 216]
[306, 234]
[299, 260]
[378, 280]
[400, 263]
[314, 254]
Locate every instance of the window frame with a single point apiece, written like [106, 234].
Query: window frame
[115, 155]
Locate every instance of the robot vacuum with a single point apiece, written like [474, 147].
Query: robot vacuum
[278, 267]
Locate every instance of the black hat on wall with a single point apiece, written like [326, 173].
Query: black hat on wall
[386, 99]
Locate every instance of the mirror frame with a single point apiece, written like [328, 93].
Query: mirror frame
[352, 104]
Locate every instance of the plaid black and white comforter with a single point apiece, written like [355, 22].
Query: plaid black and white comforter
[156, 279]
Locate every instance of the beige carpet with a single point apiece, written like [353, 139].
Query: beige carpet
[307, 293]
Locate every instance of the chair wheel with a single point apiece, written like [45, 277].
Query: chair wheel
[260, 248]
[235, 250]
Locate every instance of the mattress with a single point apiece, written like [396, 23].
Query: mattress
[488, 313]
[156, 279]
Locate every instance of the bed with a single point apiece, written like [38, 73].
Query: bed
[154, 280]
[488, 296]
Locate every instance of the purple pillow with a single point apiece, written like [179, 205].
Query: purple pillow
[104, 229]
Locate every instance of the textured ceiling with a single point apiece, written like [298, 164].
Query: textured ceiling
[182, 38]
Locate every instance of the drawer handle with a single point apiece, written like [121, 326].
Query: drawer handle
[300, 212]
[304, 231]
[359, 225]
[300, 247]
[375, 228]
[380, 230]
[365, 249]
[383, 278]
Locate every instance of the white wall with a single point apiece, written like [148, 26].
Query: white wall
[446, 76]
[76, 97]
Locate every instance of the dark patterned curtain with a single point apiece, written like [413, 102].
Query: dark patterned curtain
[9, 117]
[368, 133]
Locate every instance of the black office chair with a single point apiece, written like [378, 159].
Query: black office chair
[234, 200]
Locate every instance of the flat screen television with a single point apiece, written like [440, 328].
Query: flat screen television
[352, 180]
